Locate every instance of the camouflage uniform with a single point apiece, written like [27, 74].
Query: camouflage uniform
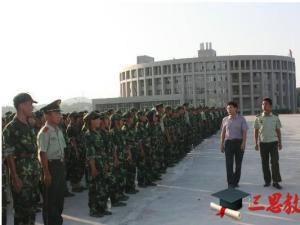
[130, 140]
[97, 190]
[119, 172]
[4, 187]
[76, 163]
[19, 140]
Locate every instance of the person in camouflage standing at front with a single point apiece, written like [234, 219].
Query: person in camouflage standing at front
[98, 166]
[131, 145]
[153, 128]
[111, 178]
[76, 166]
[120, 154]
[4, 187]
[170, 137]
[143, 140]
[20, 149]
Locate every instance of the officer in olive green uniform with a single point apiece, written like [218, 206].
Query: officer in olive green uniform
[51, 146]
[268, 140]
[19, 146]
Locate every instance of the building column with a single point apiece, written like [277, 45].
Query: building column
[251, 90]
[153, 87]
[288, 91]
[138, 86]
[229, 82]
[281, 90]
[145, 89]
[194, 84]
[241, 106]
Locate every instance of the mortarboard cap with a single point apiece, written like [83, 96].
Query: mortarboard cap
[231, 198]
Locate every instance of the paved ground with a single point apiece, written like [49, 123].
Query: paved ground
[184, 194]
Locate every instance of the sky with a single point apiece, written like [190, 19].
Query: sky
[64, 49]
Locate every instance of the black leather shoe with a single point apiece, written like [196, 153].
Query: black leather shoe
[107, 213]
[123, 198]
[69, 194]
[277, 186]
[97, 214]
[119, 204]
[151, 184]
[142, 185]
[267, 185]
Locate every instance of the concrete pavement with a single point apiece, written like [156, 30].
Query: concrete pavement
[184, 194]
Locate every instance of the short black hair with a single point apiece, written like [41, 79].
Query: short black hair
[269, 100]
[232, 103]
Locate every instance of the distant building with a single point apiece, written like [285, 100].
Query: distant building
[207, 80]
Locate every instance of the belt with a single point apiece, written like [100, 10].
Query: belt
[235, 140]
[55, 160]
[25, 155]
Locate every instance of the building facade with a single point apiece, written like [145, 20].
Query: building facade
[209, 80]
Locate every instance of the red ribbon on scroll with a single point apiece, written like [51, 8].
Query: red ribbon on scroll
[222, 212]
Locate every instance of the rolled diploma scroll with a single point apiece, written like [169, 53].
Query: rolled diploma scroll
[228, 212]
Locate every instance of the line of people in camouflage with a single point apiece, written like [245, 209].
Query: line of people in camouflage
[108, 150]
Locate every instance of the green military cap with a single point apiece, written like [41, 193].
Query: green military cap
[133, 110]
[38, 114]
[119, 112]
[110, 111]
[21, 98]
[115, 117]
[91, 116]
[186, 104]
[159, 105]
[168, 108]
[140, 113]
[7, 114]
[151, 114]
[178, 108]
[127, 115]
[73, 114]
[103, 116]
[11, 116]
[82, 113]
[52, 107]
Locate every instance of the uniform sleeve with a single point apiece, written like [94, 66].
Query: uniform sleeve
[90, 148]
[278, 123]
[256, 123]
[8, 146]
[43, 141]
[244, 124]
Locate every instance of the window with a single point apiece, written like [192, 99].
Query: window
[148, 71]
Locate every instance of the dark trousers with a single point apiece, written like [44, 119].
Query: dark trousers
[233, 153]
[269, 153]
[54, 194]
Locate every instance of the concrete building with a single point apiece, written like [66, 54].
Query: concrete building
[207, 80]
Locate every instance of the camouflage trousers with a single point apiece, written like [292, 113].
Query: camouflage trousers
[24, 202]
[75, 167]
[117, 182]
[98, 194]
[145, 172]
